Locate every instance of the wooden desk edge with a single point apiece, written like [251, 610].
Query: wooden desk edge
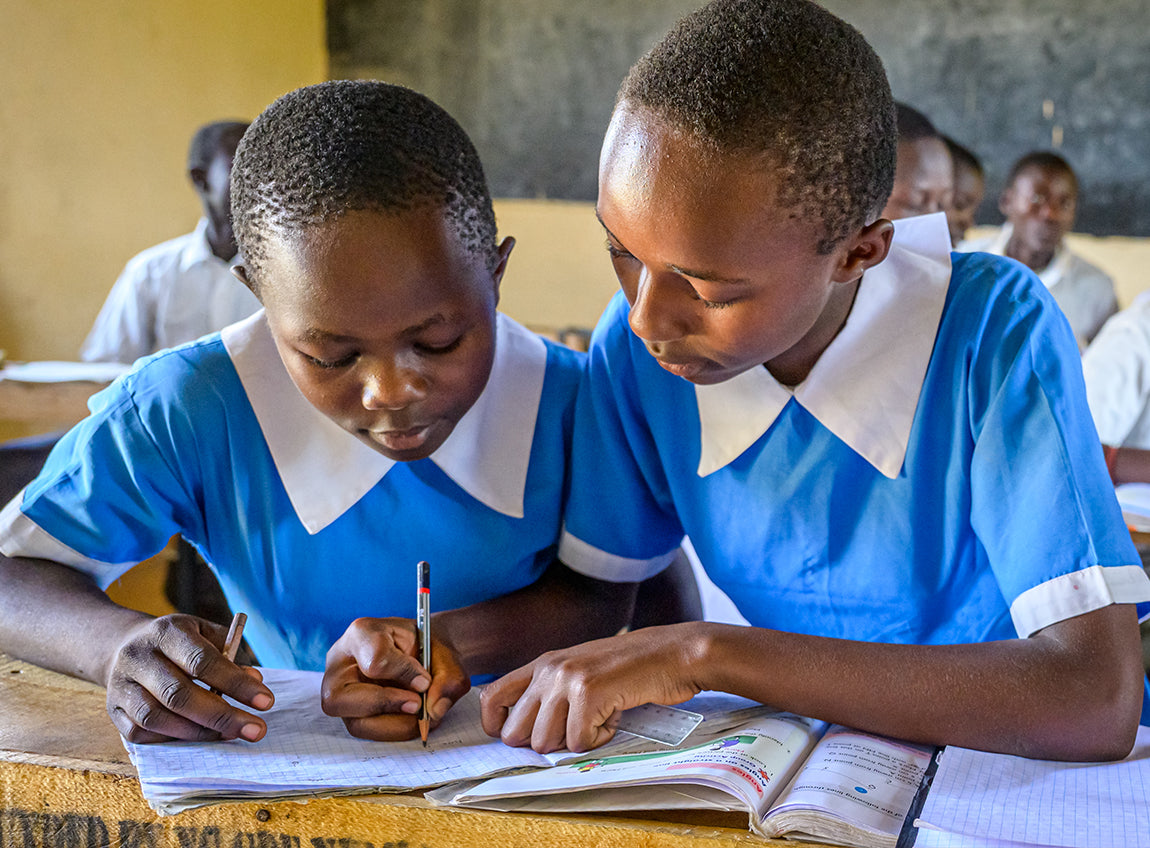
[100, 800]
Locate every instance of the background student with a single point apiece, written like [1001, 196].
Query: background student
[1039, 203]
[1116, 367]
[884, 459]
[377, 412]
[969, 190]
[182, 289]
[924, 173]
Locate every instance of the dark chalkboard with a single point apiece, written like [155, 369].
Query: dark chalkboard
[533, 81]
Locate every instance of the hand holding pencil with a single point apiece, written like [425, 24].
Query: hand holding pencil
[165, 678]
[387, 683]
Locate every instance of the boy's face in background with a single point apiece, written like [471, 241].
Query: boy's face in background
[386, 323]
[969, 189]
[213, 185]
[719, 278]
[1040, 203]
[923, 179]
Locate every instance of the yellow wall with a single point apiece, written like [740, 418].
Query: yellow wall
[99, 103]
[559, 274]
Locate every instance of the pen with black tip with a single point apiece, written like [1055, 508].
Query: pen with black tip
[423, 632]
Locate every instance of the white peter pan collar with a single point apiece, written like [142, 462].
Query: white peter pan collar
[865, 386]
[326, 469]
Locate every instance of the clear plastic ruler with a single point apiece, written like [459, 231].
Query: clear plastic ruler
[659, 723]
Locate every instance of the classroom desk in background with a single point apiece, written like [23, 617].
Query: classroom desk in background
[66, 782]
[28, 396]
[53, 405]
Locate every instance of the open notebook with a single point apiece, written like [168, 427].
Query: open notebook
[308, 753]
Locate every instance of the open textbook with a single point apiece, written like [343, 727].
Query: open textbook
[797, 777]
[309, 754]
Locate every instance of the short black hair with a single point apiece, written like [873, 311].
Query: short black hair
[1046, 160]
[912, 124]
[355, 145]
[787, 81]
[963, 155]
[210, 139]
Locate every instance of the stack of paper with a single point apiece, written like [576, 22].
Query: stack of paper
[1134, 498]
[52, 371]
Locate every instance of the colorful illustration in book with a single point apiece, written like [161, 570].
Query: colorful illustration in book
[731, 742]
[714, 745]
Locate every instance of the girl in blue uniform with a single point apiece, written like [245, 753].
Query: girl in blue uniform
[884, 459]
[376, 413]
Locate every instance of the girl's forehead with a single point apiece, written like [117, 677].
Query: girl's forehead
[372, 264]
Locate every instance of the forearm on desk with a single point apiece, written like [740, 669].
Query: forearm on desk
[562, 608]
[58, 618]
[1129, 465]
[1072, 691]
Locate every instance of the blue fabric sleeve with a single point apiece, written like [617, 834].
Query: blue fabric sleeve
[112, 489]
[620, 507]
[1037, 454]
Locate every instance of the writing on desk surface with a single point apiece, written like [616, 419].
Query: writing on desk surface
[36, 829]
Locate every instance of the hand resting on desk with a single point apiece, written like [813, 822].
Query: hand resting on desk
[373, 680]
[149, 666]
[151, 693]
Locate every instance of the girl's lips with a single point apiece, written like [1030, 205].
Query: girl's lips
[686, 370]
[401, 441]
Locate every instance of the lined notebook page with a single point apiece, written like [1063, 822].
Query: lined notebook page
[981, 799]
[307, 751]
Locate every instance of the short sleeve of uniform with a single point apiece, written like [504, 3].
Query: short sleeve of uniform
[620, 523]
[1041, 501]
[112, 492]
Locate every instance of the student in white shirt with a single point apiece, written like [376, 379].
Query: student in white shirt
[924, 173]
[181, 289]
[1039, 202]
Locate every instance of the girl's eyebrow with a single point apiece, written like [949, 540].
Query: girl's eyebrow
[315, 335]
[710, 277]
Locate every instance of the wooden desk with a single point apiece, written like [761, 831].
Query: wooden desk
[46, 405]
[66, 782]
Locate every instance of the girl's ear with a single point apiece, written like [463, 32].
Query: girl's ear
[867, 248]
[241, 273]
[504, 252]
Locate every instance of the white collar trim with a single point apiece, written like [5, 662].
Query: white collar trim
[326, 470]
[865, 386]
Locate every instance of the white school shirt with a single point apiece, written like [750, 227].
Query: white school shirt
[1116, 367]
[167, 295]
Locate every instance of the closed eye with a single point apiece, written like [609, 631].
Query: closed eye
[438, 349]
[617, 252]
[330, 364]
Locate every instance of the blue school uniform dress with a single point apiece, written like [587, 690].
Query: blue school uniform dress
[305, 526]
[935, 479]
